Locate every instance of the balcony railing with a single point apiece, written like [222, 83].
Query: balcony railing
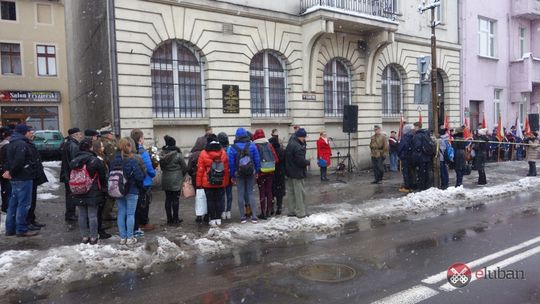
[377, 8]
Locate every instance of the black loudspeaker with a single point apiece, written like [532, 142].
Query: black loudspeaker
[350, 118]
[533, 122]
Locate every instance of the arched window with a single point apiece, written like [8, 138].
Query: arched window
[337, 88]
[177, 81]
[392, 93]
[268, 85]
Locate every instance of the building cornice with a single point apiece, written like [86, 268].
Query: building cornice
[427, 42]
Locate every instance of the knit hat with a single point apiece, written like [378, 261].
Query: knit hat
[169, 141]
[90, 132]
[223, 139]
[22, 129]
[212, 143]
[73, 131]
[259, 133]
[301, 133]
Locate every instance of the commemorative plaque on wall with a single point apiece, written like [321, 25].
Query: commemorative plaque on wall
[231, 99]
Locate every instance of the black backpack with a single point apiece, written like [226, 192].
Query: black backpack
[422, 146]
[244, 162]
[216, 175]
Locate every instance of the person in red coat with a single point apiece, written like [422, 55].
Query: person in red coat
[213, 177]
[324, 154]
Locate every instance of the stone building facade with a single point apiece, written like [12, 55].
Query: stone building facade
[293, 62]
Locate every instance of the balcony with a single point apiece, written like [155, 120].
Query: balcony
[379, 10]
[528, 9]
[525, 73]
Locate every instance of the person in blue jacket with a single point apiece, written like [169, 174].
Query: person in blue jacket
[142, 222]
[244, 166]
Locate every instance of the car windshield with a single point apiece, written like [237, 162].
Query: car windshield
[47, 136]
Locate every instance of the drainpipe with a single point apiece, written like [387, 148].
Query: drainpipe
[113, 66]
[463, 59]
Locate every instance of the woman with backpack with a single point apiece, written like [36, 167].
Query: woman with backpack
[99, 149]
[88, 179]
[213, 177]
[278, 182]
[125, 167]
[324, 153]
[174, 168]
[269, 160]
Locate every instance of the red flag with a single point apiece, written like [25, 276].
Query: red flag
[467, 130]
[526, 127]
[401, 122]
[446, 123]
[484, 124]
[500, 131]
[420, 116]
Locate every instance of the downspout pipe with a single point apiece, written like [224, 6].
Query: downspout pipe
[113, 66]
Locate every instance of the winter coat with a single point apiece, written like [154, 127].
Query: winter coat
[393, 144]
[532, 150]
[442, 145]
[420, 142]
[96, 168]
[480, 150]
[405, 147]
[278, 181]
[150, 171]
[459, 151]
[261, 141]
[69, 149]
[21, 162]
[242, 139]
[41, 177]
[204, 166]
[324, 151]
[378, 146]
[3, 155]
[132, 172]
[295, 159]
[193, 160]
[173, 167]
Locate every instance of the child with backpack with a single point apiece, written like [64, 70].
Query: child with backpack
[87, 182]
[125, 181]
[213, 176]
[244, 165]
[269, 159]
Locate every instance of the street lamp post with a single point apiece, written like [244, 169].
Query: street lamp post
[434, 97]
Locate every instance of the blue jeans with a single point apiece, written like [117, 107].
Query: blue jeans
[393, 162]
[226, 200]
[19, 204]
[245, 194]
[444, 175]
[126, 215]
[459, 177]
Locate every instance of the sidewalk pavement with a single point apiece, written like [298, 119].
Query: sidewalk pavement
[354, 189]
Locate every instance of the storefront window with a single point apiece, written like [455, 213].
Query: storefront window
[40, 118]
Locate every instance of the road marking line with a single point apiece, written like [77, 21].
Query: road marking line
[509, 261]
[442, 275]
[412, 295]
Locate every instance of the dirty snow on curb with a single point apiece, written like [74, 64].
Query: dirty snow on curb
[24, 269]
[31, 268]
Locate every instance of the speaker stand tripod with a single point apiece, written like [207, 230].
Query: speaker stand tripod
[351, 164]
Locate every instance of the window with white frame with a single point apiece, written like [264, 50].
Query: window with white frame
[439, 12]
[46, 60]
[8, 10]
[177, 81]
[392, 92]
[337, 87]
[497, 104]
[268, 85]
[487, 37]
[522, 41]
[10, 58]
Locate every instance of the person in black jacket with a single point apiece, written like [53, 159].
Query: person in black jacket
[5, 134]
[40, 179]
[460, 164]
[69, 149]
[480, 150]
[296, 170]
[21, 172]
[278, 182]
[88, 203]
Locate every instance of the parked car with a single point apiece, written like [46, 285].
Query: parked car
[48, 143]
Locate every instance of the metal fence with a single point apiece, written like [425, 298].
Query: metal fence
[380, 8]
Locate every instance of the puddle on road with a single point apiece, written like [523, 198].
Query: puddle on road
[326, 273]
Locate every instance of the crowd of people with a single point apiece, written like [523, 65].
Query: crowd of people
[101, 172]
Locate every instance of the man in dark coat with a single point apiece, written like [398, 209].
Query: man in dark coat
[480, 149]
[460, 164]
[424, 150]
[20, 171]
[405, 155]
[296, 170]
[69, 149]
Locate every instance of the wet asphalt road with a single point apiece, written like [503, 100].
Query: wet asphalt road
[387, 255]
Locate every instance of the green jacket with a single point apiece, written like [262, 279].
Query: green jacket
[173, 167]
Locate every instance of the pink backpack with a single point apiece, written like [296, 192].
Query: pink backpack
[80, 181]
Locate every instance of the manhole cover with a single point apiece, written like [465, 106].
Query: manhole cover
[328, 273]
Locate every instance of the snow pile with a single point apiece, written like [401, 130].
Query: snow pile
[53, 184]
[46, 196]
[23, 269]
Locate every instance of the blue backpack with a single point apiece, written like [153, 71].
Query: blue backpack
[448, 152]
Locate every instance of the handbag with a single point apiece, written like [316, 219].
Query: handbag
[187, 188]
[322, 163]
[200, 203]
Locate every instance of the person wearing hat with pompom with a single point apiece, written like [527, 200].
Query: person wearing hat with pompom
[69, 149]
[21, 170]
[296, 170]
